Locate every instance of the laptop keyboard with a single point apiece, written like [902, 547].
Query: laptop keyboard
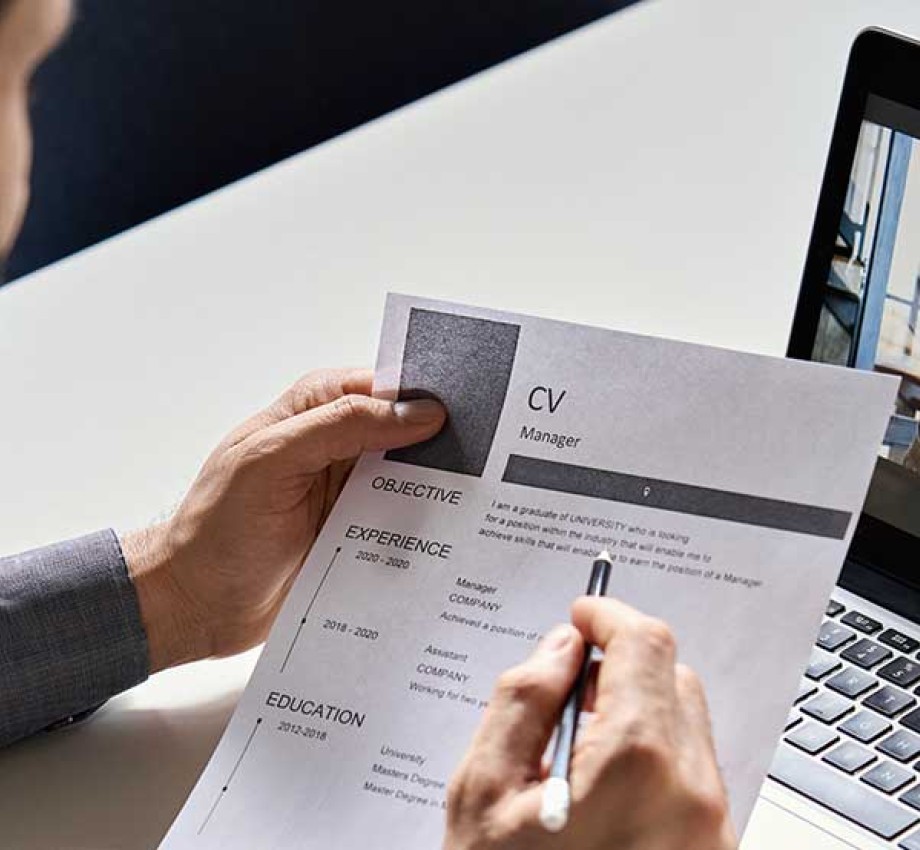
[852, 740]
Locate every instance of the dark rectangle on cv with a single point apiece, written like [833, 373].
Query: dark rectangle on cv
[674, 496]
[465, 362]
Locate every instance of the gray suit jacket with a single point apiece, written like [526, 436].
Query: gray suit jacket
[70, 633]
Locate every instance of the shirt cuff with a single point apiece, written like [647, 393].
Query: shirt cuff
[70, 633]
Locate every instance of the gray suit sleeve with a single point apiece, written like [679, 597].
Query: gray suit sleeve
[70, 633]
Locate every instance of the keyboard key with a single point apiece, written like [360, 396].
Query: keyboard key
[901, 671]
[866, 653]
[860, 621]
[865, 726]
[849, 757]
[912, 797]
[851, 682]
[840, 794]
[821, 664]
[903, 745]
[889, 701]
[827, 707]
[806, 689]
[912, 842]
[834, 608]
[897, 640]
[888, 777]
[832, 636]
[812, 738]
[911, 720]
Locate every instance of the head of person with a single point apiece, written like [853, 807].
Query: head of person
[29, 30]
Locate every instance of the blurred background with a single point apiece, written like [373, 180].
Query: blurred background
[152, 103]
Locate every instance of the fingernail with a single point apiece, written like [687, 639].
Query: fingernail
[556, 639]
[421, 411]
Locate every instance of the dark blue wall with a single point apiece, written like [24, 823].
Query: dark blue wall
[151, 103]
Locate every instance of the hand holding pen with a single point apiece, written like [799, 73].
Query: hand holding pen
[643, 771]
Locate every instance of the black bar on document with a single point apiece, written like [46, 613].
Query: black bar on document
[677, 497]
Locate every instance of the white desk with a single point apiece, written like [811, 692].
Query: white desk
[657, 171]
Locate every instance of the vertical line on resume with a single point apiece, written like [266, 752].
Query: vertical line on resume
[226, 784]
[306, 613]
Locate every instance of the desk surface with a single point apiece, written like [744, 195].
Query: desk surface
[656, 172]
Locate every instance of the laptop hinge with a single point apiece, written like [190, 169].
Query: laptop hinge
[881, 589]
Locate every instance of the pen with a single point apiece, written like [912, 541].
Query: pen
[554, 808]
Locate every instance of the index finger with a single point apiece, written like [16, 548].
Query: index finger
[602, 619]
[312, 390]
[637, 675]
[321, 387]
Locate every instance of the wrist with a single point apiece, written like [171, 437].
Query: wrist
[174, 632]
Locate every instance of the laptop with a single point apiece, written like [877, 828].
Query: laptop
[847, 770]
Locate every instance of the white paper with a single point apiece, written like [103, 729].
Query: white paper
[725, 485]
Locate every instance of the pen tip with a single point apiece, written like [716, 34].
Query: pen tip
[604, 556]
[554, 807]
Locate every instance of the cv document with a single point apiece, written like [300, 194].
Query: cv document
[726, 487]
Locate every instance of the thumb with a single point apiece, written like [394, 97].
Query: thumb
[344, 428]
[525, 707]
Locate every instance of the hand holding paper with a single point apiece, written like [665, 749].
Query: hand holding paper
[212, 578]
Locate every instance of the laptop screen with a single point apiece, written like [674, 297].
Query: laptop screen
[870, 305]
[870, 311]
[859, 305]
